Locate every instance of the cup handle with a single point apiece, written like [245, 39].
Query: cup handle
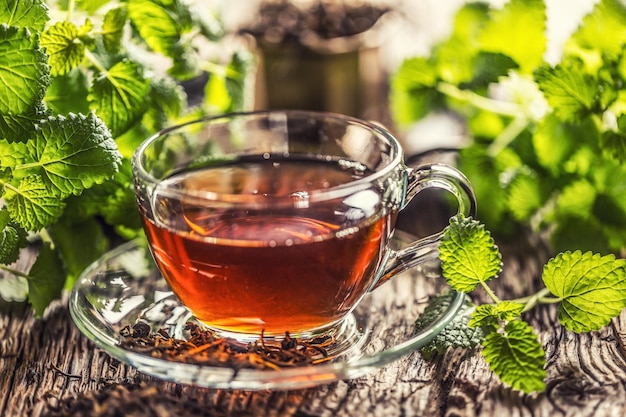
[428, 176]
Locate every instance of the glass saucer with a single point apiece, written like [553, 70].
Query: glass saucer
[124, 287]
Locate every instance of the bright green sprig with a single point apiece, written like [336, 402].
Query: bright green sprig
[590, 290]
[76, 97]
[547, 139]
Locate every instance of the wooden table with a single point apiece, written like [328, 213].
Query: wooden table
[47, 367]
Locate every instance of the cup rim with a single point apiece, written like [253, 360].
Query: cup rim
[364, 182]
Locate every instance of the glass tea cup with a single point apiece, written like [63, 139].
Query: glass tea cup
[280, 221]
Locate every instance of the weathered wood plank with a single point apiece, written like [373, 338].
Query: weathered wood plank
[47, 367]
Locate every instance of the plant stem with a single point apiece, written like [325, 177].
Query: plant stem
[14, 272]
[9, 186]
[94, 61]
[220, 70]
[46, 238]
[70, 9]
[508, 135]
[540, 297]
[498, 107]
[27, 166]
[490, 293]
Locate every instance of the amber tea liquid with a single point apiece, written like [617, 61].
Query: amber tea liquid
[295, 268]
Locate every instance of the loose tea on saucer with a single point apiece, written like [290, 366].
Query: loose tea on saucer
[203, 347]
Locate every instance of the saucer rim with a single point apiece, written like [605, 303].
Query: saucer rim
[228, 378]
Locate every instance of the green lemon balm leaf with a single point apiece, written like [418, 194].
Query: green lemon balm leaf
[32, 205]
[62, 44]
[113, 28]
[12, 238]
[554, 142]
[516, 356]
[91, 6]
[468, 254]
[518, 30]
[413, 92]
[79, 243]
[524, 196]
[24, 71]
[119, 96]
[569, 91]
[155, 24]
[46, 279]
[456, 59]
[70, 154]
[592, 288]
[68, 93]
[32, 14]
[18, 128]
[602, 30]
[490, 315]
[456, 334]
[614, 142]
[576, 199]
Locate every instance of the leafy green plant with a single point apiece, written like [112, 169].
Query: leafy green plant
[82, 83]
[589, 289]
[548, 142]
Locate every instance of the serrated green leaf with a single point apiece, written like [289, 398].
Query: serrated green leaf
[457, 334]
[484, 173]
[185, 61]
[570, 92]
[468, 254]
[119, 96]
[554, 142]
[113, 28]
[69, 154]
[524, 197]
[516, 356]
[486, 124]
[12, 238]
[518, 30]
[413, 92]
[91, 6]
[487, 68]
[573, 233]
[65, 50]
[454, 59]
[114, 201]
[602, 30]
[608, 210]
[79, 243]
[236, 76]
[216, 93]
[32, 205]
[580, 162]
[576, 199]
[490, 315]
[18, 128]
[85, 34]
[68, 93]
[614, 142]
[6, 178]
[168, 100]
[209, 24]
[592, 288]
[24, 71]
[168, 96]
[46, 279]
[32, 14]
[155, 24]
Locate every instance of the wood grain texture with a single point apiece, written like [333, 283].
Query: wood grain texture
[48, 368]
